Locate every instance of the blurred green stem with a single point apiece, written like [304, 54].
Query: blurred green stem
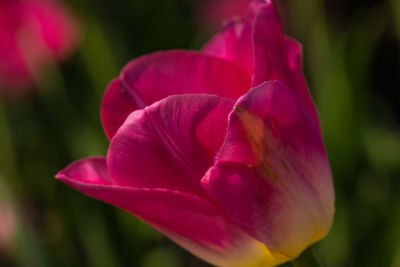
[26, 246]
[98, 57]
[306, 259]
[7, 151]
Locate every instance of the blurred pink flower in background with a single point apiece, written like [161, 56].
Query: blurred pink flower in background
[221, 150]
[7, 226]
[213, 13]
[33, 34]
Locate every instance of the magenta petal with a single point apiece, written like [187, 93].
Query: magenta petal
[165, 145]
[162, 74]
[269, 48]
[256, 44]
[189, 220]
[278, 57]
[117, 105]
[153, 77]
[235, 42]
[275, 110]
[213, 12]
[92, 170]
[272, 175]
[295, 64]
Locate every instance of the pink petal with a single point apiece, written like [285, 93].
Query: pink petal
[256, 44]
[213, 12]
[270, 59]
[278, 57]
[153, 77]
[32, 35]
[117, 105]
[234, 43]
[92, 170]
[192, 222]
[295, 64]
[272, 175]
[166, 144]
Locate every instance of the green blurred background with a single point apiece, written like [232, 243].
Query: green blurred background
[352, 64]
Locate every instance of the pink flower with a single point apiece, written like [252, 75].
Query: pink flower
[237, 176]
[7, 226]
[213, 13]
[33, 33]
